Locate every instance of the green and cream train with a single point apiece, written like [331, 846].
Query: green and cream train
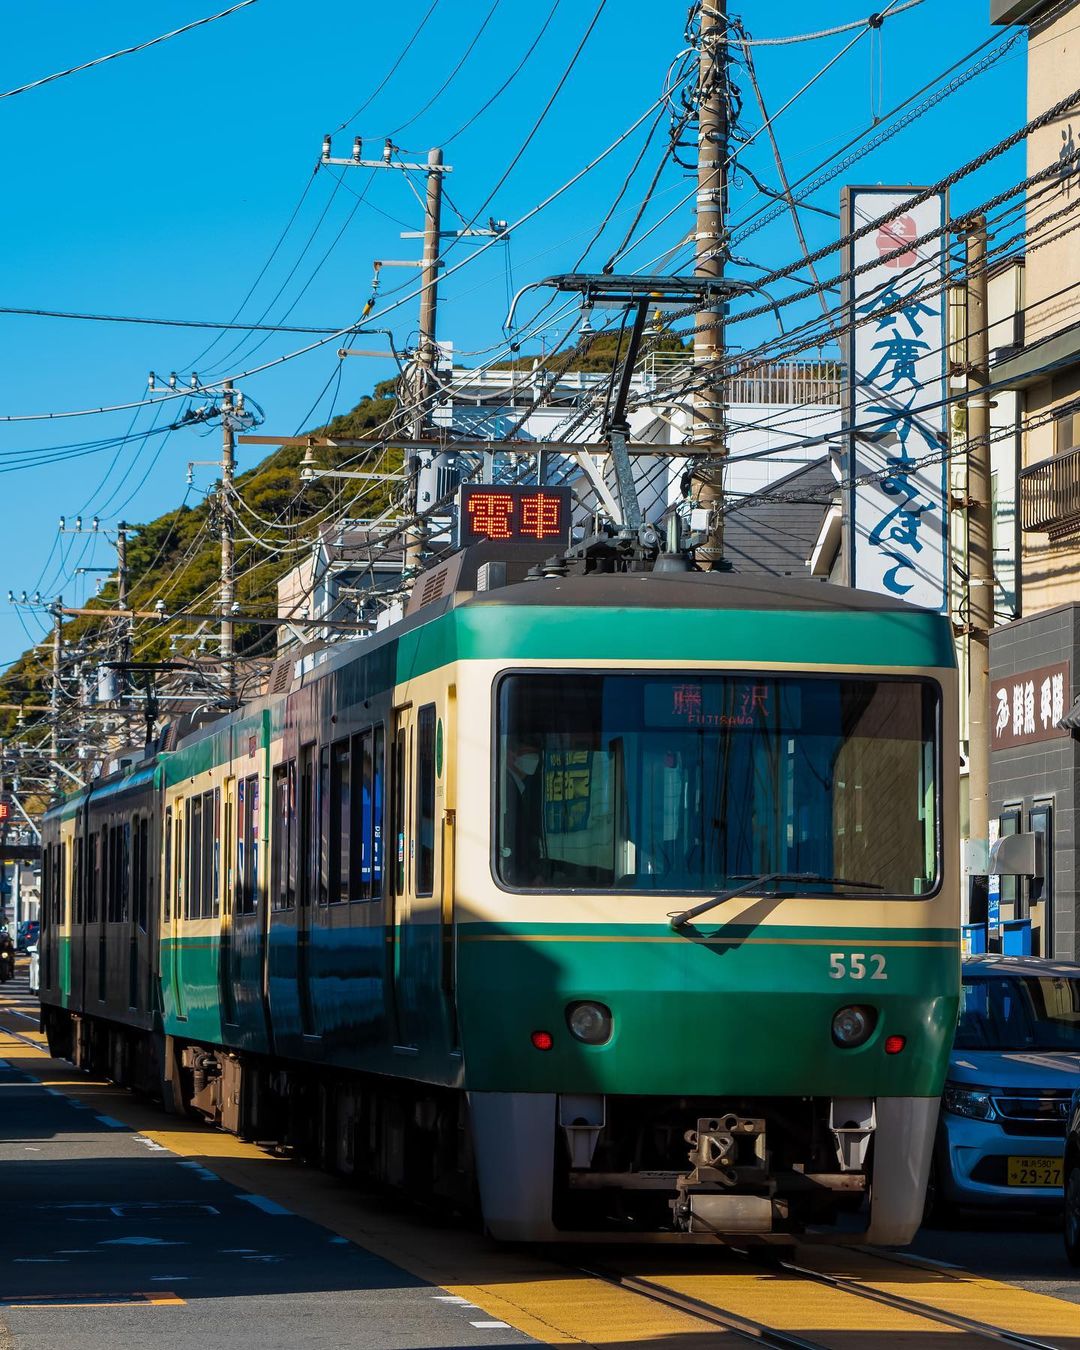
[607, 905]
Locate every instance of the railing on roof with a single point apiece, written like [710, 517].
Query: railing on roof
[817, 383]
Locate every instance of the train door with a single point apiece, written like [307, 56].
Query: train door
[307, 861]
[416, 928]
[105, 859]
[179, 901]
[133, 838]
[63, 928]
[78, 930]
[231, 880]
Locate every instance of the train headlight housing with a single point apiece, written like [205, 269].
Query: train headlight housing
[852, 1027]
[975, 1103]
[589, 1022]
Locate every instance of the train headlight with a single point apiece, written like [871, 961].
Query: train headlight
[589, 1022]
[975, 1103]
[853, 1026]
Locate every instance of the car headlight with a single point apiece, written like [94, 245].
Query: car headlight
[589, 1022]
[975, 1103]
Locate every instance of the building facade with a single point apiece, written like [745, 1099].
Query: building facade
[1035, 372]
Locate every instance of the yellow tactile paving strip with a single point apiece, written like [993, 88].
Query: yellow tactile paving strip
[955, 1291]
[563, 1307]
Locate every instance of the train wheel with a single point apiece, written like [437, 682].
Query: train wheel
[1072, 1214]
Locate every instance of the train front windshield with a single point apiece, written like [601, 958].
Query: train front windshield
[697, 782]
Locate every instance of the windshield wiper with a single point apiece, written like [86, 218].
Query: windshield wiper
[765, 879]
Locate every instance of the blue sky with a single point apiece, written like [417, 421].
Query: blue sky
[158, 184]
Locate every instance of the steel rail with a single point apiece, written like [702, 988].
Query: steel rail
[757, 1332]
[848, 1285]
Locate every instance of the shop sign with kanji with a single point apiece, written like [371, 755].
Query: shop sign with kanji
[1026, 708]
[897, 472]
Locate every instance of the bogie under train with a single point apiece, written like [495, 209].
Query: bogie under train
[436, 909]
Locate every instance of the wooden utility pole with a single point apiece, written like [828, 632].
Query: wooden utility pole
[225, 530]
[427, 354]
[54, 691]
[980, 532]
[707, 483]
[122, 600]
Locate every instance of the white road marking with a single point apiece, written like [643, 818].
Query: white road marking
[140, 1242]
[267, 1206]
[492, 1325]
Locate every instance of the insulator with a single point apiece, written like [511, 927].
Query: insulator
[326, 147]
[357, 149]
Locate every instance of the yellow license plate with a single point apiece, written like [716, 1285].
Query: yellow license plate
[1034, 1172]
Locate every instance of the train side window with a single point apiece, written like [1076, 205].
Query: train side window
[361, 816]
[340, 880]
[425, 800]
[92, 872]
[378, 764]
[77, 884]
[306, 857]
[398, 827]
[193, 898]
[208, 886]
[283, 844]
[144, 872]
[106, 871]
[136, 864]
[166, 880]
[249, 834]
[110, 873]
[326, 830]
[125, 872]
[178, 853]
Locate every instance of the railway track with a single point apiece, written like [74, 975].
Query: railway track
[709, 1304]
[819, 1299]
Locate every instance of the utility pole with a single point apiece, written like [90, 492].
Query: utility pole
[980, 532]
[707, 482]
[54, 692]
[122, 600]
[225, 526]
[427, 354]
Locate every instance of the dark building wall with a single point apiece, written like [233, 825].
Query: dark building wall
[1048, 770]
[1017, 11]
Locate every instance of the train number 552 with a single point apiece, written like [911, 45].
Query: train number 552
[857, 966]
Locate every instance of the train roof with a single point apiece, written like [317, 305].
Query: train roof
[690, 590]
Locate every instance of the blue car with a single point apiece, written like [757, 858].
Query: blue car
[1013, 1071]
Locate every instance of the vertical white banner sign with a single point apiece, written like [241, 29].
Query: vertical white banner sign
[897, 504]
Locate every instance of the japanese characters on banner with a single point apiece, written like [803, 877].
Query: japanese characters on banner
[1027, 707]
[897, 519]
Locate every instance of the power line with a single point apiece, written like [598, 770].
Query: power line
[126, 51]
[162, 323]
[872, 21]
[393, 69]
[530, 48]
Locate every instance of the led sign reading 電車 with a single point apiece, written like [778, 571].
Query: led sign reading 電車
[521, 515]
